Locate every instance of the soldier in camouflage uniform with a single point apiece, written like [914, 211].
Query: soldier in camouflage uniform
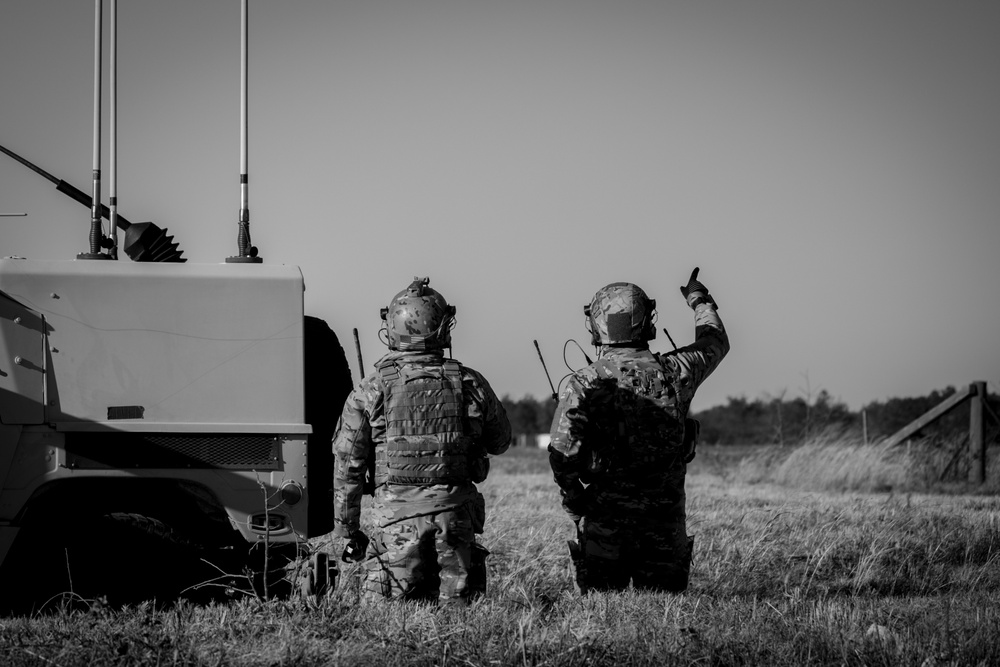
[621, 441]
[416, 435]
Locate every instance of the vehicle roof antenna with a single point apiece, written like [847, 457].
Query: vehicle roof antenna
[113, 143]
[97, 238]
[144, 241]
[246, 253]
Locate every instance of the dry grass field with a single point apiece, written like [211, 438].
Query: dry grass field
[803, 557]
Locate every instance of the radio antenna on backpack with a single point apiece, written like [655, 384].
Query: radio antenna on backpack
[669, 338]
[555, 395]
[357, 346]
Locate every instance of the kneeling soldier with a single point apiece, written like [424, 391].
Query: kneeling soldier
[420, 428]
[621, 441]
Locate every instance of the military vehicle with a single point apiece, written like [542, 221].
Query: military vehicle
[165, 427]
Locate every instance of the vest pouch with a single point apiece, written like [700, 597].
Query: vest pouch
[479, 469]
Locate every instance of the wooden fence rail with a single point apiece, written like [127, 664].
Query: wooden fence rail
[978, 409]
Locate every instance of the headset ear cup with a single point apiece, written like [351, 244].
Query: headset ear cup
[649, 332]
[591, 329]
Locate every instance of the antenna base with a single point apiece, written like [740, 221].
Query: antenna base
[244, 260]
[93, 255]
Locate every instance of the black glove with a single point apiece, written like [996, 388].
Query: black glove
[576, 505]
[692, 428]
[357, 544]
[695, 291]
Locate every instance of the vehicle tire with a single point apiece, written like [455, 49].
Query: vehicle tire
[33, 575]
[116, 558]
[130, 558]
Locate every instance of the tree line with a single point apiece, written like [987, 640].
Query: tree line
[781, 420]
[529, 415]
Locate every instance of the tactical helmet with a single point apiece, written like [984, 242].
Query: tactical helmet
[418, 318]
[620, 313]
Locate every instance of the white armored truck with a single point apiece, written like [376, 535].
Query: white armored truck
[165, 427]
[155, 409]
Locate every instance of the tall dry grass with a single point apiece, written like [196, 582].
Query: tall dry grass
[839, 460]
[782, 576]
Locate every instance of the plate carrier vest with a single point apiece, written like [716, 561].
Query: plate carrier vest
[649, 383]
[425, 434]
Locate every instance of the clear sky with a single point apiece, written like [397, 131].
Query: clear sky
[832, 167]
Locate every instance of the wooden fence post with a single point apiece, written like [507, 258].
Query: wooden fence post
[977, 431]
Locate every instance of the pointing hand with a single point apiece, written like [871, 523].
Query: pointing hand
[695, 291]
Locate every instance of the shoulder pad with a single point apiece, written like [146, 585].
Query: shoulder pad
[388, 371]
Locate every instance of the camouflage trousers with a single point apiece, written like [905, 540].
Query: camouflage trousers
[651, 552]
[428, 557]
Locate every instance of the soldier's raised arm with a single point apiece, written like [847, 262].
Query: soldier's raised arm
[695, 362]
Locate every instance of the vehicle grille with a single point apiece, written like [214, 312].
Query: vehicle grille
[189, 450]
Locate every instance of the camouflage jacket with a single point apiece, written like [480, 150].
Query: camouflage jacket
[619, 424]
[361, 432]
